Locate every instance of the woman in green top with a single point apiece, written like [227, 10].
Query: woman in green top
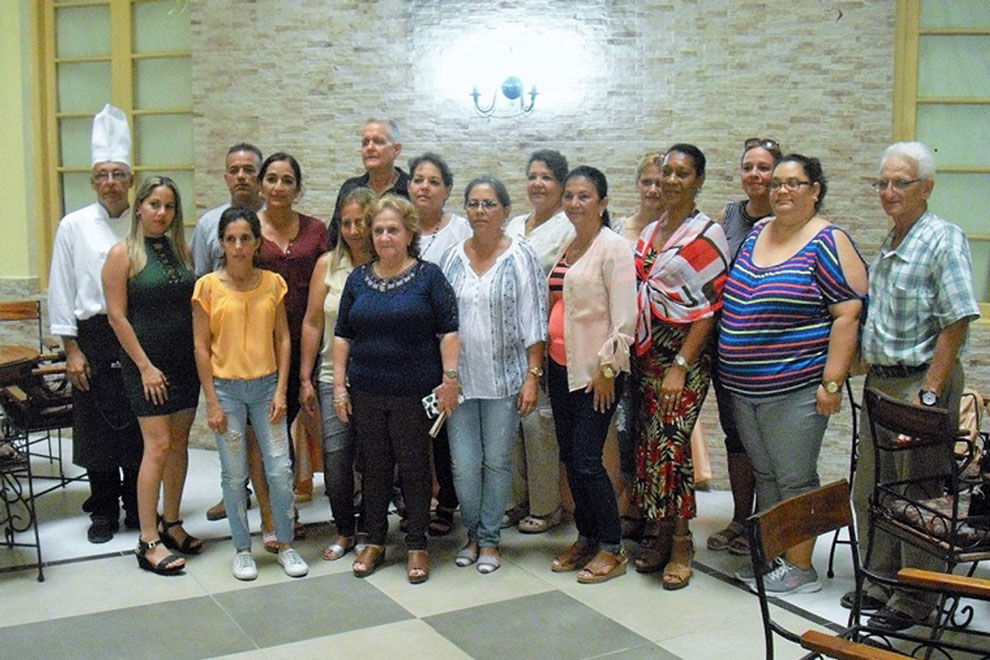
[148, 283]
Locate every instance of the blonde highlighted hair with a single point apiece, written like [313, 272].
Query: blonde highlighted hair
[365, 199]
[410, 220]
[176, 232]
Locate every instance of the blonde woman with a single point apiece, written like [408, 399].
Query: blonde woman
[148, 282]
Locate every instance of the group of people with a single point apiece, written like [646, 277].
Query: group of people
[523, 334]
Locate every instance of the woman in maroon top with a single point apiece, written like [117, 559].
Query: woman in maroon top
[291, 244]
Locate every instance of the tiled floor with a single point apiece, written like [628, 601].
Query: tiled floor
[95, 603]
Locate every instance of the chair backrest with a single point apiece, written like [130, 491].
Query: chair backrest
[784, 525]
[898, 424]
[802, 518]
[23, 310]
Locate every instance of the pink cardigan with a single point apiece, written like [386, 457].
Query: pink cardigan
[599, 309]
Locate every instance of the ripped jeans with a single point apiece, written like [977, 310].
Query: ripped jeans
[243, 401]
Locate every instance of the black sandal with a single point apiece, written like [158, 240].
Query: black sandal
[162, 567]
[189, 546]
[442, 522]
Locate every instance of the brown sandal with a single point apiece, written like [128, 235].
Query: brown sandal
[677, 572]
[576, 556]
[418, 566]
[605, 566]
[370, 558]
[654, 553]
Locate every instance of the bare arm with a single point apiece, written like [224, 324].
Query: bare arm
[530, 392]
[215, 417]
[947, 346]
[449, 388]
[341, 399]
[283, 351]
[115, 272]
[312, 333]
[675, 378]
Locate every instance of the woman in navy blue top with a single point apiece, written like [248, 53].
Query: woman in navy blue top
[395, 342]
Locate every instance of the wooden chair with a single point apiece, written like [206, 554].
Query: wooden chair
[930, 511]
[855, 409]
[802, 518]
[37, 404]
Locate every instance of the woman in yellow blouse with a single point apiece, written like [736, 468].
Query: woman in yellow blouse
[241, 337]
[329, 277]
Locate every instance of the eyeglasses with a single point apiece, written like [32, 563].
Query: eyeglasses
[769, 144]
[899, 184]
[486, 204]
[790, 184]
[103, 175]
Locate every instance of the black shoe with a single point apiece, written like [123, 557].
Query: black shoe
[867, 603]
[891, 620]
[131, 521]
[102, 530]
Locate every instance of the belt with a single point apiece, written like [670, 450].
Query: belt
[897, 370]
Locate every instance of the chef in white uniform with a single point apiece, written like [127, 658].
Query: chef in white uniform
[106, 439]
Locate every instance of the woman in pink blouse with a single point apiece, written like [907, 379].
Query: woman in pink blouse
[592, 318]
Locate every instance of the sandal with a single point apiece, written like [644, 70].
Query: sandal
[677, 572]
[442, 522]
[418, 566]
[370, 558]
[512, 517]
[603, 567]
[654, 551]
[467, 555]
[723, 539]
[489, 562]
[539, 524]
[190, 544]
[271, 542]
[162, 567]
[336, 550]
[576, 556]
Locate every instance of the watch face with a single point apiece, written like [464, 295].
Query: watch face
[929, 398]
[831, 387]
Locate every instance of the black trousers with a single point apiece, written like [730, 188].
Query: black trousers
[394, 431]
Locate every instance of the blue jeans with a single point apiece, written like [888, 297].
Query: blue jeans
[482, 432]
[581, 433]
[241, 401]
[338, 463]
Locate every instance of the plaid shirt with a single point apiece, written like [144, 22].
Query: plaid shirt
[916, 290]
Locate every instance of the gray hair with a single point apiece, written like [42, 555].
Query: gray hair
[915, 151]
[391, 128]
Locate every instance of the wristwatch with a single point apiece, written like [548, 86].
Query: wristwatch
[681, 362]
[537, 371]
[450, 373]
[831, 386]
[928, 397]
[608, 371]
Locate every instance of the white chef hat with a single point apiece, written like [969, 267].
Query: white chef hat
[111, 142]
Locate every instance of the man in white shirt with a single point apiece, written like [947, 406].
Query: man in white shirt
[241, 175]
[106, 439]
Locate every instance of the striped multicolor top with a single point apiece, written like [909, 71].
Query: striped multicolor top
[556, 325]
[775, 320]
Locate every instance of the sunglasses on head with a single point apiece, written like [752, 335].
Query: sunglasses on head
[769, 144]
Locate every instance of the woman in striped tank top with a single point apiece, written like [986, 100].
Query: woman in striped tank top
[789, 332]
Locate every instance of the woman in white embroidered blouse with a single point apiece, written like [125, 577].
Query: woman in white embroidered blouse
[501, 300]
[593, 316]
[536, 485]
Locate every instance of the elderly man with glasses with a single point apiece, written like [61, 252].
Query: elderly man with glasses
[921, 305]
[106, 439]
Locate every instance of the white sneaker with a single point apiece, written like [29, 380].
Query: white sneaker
[244, 567]
[292, 562]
